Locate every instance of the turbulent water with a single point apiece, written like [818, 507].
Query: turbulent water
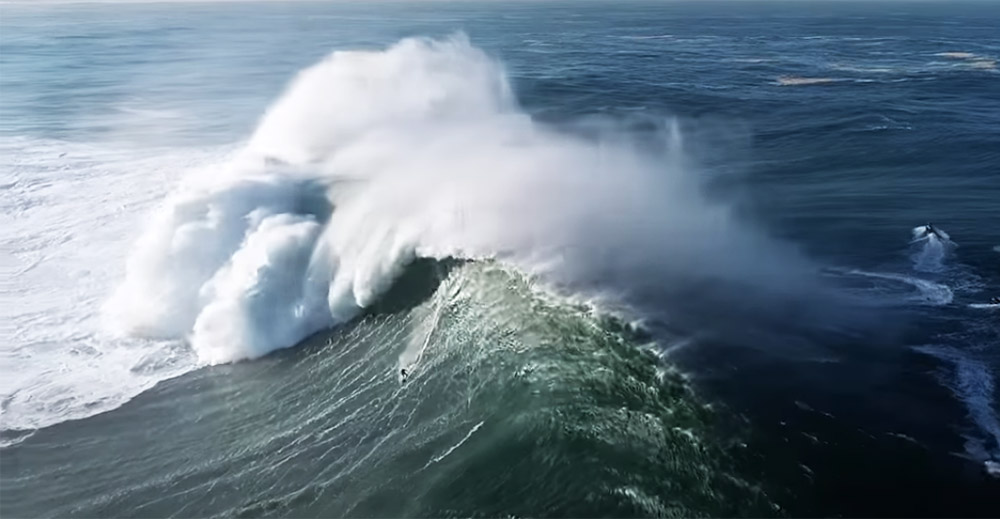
[453, 259]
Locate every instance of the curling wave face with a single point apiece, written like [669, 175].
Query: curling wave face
[506, 391]
[371, 159]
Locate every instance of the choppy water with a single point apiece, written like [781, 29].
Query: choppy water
[636, 259]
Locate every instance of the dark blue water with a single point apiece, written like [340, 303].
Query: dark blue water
[834, 128]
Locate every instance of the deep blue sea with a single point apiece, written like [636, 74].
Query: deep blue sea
[497, 259]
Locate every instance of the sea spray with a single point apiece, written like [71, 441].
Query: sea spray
[416, 151]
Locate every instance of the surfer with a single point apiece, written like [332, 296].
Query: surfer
[402, 374]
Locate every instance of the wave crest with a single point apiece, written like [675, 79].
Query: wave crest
[371, 159]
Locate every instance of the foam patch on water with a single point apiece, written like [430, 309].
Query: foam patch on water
[72, 210]
[801, 81]
[956, 55]
[976, 61]
[972, 382]
[928, 292]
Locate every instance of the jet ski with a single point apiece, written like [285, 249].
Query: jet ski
[930, 230]
[926, 232]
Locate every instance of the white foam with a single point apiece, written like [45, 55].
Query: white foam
[957, 55]
[928, 292]
[972, 60]
[263, 298]
[70, 211]
[421, 151]
[799, 81]
[973, 384]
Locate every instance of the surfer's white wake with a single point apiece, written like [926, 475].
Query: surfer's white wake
[934, 245]
[371, 159]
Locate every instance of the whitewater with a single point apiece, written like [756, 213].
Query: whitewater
[369, 160]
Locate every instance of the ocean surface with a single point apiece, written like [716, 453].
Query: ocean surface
[487, 259]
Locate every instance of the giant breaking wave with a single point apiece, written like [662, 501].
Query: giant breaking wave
[371, 159]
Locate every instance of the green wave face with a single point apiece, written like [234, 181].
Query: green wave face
[514, 404]
[521, 404]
